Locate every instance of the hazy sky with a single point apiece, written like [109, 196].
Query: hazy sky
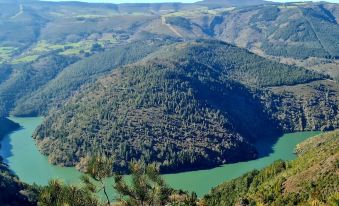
[153, 1]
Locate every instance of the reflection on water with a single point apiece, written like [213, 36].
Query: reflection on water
[21, 154]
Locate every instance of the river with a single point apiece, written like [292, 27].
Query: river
[21, 154]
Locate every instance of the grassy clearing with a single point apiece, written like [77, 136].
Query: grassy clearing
[25, 59]
[43, 47]
[189, 13]
[198, 12]
[221, 10]
[292, 6]
[108, 38]
[91, 16]
[71, 48]
[75, 51]
[6, 53]
[287, 7]
[300, 3]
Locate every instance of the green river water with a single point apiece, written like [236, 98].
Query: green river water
[21, 154]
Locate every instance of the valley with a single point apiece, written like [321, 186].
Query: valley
[215, 102]
[130, 116]
[20, 161]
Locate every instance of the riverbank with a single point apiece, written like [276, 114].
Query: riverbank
[23, 157]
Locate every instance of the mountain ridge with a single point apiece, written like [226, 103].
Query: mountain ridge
[152, 103]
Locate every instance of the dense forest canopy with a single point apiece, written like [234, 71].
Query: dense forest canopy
[85, 71]
[169, 87]
[47, 48]
[182, 108]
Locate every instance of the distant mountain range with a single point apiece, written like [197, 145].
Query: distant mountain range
[233, 2]
[185, 86]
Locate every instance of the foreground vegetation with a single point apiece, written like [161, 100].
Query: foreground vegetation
[311, 179]
[13, 191]
[146, 188]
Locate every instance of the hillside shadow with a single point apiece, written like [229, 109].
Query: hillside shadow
[6, 147]
[265, 146]
[245, 112]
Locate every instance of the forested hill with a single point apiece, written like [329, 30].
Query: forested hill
[186, 86]
[236, 64]
[24, 79]
[85, 71]
[188, 106]
[47, 49]
[311, 179]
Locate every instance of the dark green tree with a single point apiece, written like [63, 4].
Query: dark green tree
[147, 187]
[57, 193]
[98, 168]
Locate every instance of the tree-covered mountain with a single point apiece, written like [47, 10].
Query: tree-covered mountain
[290, 30]
[305, 34]
[312, 106]
[24, 79]
[187, 106]
[168, 83]
[311, 179]
[32, 88]
[74, 76]
[301, 34]
[294, 30]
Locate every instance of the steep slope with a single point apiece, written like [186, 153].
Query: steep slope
[311, 179]
[312, 106]
[304, 34]
[23, 79]
[230, 3]
[87, 70]
[297, 30]
[188, 106]
[5, 72]
[20, 25]
[314, 29]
